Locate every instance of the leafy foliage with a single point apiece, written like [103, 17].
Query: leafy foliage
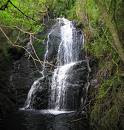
[106, 111]
[33, 13]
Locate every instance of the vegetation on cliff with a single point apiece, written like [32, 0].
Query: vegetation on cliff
[103, 24]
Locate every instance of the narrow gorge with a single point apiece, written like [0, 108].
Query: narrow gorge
[61, 65]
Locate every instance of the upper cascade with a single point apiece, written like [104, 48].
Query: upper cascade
[70, 45]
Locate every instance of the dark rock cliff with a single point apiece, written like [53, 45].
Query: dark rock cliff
[19, 74]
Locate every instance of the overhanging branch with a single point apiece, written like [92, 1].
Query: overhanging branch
[3, 7]
[22, 12]
[37, 59]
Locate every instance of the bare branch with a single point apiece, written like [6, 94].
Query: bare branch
[36, 53]
[15, 45]
[17, 38]
[30, 33]
[21, 30]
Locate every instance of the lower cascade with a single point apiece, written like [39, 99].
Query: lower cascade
[64, 89]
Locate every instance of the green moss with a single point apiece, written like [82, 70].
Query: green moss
[106, 109]
[38, 45]
[106, 112]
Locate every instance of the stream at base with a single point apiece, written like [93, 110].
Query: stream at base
[43, 120]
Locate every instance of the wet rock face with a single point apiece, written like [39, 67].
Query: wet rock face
[77, 76]
[54, 40]
[76, 80]
[23, 74]
[40, 97]
[7, 95]
[6, 105]
[76, 89]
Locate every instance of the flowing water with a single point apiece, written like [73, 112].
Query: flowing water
[56, 116]
[36, 83]
[67, 56]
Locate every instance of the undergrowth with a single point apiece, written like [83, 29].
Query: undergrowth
[106, 110]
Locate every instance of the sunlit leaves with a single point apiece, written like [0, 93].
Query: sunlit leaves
[11, 16]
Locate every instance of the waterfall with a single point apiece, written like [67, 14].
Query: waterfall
[68, 55]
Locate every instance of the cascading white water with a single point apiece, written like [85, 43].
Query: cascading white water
[68, 49]
[67, 56]
[36, 83]
[58, 87]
